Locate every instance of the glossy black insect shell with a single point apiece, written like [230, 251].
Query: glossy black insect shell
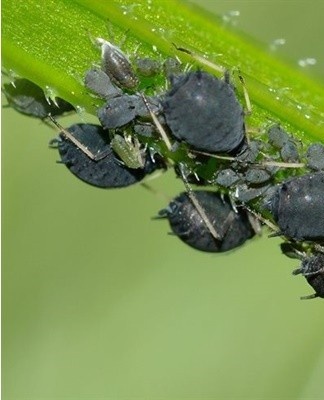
[107, 172]
[297, 207]
[187, 224]
[29, 99]
[204, 112]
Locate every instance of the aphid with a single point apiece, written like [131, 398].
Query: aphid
[147, 67]
[172, 66]
[315, 156]
[280, 140]
[312, 267]
[117, 66]
[124, 109]
[102, 169]
[99, 83]
[245, 193]
[184, 173]
[257, 176]
[129, 151]
[289, 152]
[204, 112]
[297, 207]
[227, 177]
[29, 99]
[185, 221]
[277, 136]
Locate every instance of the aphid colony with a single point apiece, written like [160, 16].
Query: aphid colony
[197, 127]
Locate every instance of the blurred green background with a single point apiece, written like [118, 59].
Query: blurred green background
[99, 302]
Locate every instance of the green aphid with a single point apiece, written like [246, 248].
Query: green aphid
[129, 151]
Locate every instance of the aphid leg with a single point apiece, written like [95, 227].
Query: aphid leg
[76, 142]
[160, 128]
[265, 221]
[202, 60]
[309, 297]
[197, 205]
[54, 143]
[278, 164]
[246, 95]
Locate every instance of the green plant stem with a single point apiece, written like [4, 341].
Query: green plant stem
[50, 45]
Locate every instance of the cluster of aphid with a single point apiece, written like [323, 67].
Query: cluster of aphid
[197, 127]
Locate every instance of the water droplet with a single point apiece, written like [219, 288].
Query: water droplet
[305, 62]
[276, 43]
[230, 17]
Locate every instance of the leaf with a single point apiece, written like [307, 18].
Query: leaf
[50, 45]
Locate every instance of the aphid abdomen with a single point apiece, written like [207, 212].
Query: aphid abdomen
[117, 66]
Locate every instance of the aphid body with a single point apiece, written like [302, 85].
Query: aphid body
[185, 221]
[29, 99]
[129, 151]
[297, 206]
[204, 112]
[116, 65]
[315, 156]
[123, 109]
[103, 170]
[99, 82]
[312, 266]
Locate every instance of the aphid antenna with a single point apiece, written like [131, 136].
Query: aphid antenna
[93, 39]
[197, 205]
[263, 163]
[75, 141]
[162, 132]
[156, 193]
[245, 94]
[112, 36]
[202, 60]
[269, 224]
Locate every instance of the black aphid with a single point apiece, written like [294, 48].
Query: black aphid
[124, 109]
[283, 142]
[234, 227]
[315, 156]
[103, 170]
[147, 67]
[204, 112]
[29, 99]
[99, 83]
[312, 267]
[297, 206]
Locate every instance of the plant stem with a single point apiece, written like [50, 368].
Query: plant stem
[50, 45]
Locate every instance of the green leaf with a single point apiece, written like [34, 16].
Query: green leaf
[50, 44]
